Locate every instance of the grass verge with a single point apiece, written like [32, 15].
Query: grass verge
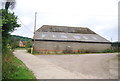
[20, 48]
[13, 68]
[118, 57]
[71, 53]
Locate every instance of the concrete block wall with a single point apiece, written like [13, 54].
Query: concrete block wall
[59, 47]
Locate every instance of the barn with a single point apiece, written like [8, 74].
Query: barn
[64, 39]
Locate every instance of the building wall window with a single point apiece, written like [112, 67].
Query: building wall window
[94, 38]
[85, 37]
[76, 37]
[43, 35]
[54, 35]
[63, 36]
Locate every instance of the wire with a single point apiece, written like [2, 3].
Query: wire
[23, 24]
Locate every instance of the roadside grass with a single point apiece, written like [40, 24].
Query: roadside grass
[13, 68]
[118, 57]
[107, 51]
[69, 53]
[20, 48]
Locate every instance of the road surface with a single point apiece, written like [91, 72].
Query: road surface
[85, 66]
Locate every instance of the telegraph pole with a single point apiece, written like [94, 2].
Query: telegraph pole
[111, 43]
[111, 39]
[35, 22]
[34, 33]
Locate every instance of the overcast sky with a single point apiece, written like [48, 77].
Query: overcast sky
[101, 16]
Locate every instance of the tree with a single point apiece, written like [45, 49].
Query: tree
[9, 23]
[29, 44]
[13, 42]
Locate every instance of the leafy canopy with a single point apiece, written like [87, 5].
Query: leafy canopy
[9, 23]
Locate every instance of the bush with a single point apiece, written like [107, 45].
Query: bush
[67, 50]
[85, 51]
[13, 68]
[108, 51]
[29, 50]
[33, 52]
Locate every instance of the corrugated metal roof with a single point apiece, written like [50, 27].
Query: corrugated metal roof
[69, 36]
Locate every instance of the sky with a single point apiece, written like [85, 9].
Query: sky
[101, 16]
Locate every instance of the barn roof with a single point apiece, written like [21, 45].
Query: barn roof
[59, 33]
[65, 29]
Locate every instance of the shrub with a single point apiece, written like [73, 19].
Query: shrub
[29, 50]
[13, 68]
[108, 51]
[33, 52]
[67, 50]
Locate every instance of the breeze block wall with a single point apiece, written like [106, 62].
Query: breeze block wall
[73, 47]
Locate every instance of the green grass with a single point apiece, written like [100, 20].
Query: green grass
[13, 68]
[20, 48]
[107, 51]
[72, 53]
[118, 57]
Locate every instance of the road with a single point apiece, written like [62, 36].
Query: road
[84, 66]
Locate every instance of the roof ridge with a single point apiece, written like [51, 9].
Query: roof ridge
[64, 26]
[67, 29]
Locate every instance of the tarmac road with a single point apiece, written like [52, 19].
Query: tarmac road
[102, 66]
[85, 66]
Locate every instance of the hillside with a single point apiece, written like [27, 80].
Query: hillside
[20, 38]
[14, 41]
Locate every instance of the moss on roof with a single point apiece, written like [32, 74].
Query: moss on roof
[65, 29]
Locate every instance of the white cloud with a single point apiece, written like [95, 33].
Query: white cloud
[98, 15]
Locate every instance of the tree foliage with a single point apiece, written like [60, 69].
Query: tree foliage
[29, 44]
[14, 41]
[20, 38]
[9, 23]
